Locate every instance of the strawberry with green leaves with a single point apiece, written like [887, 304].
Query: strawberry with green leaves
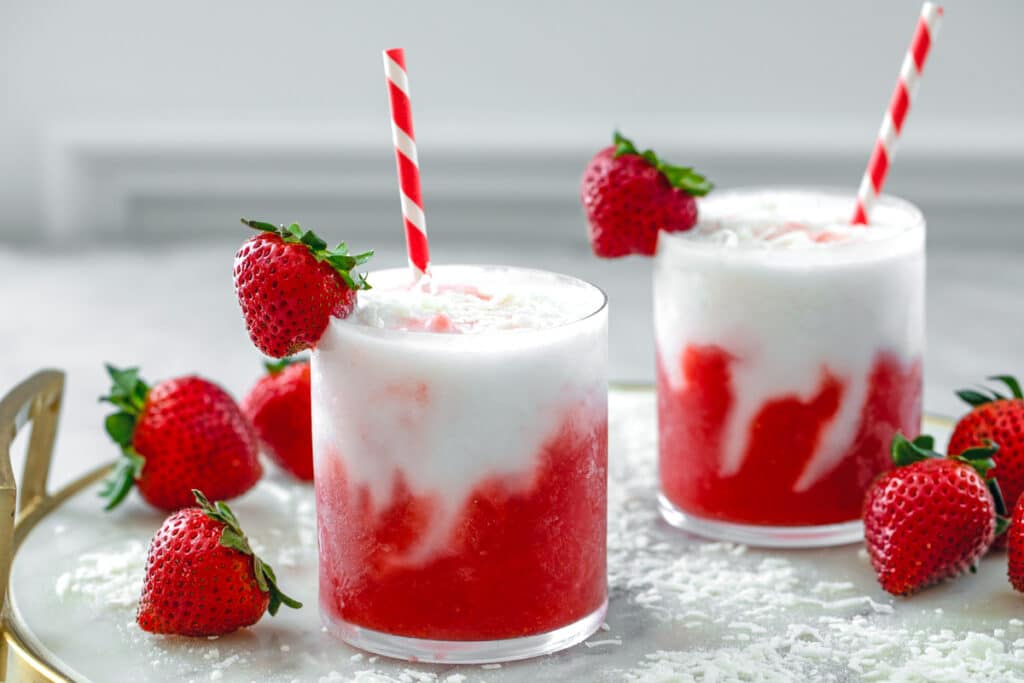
[279, 408]
[629, 196]
[181, 434]
[999, 418]
[202, 577]
[933, 516]
[289, 285]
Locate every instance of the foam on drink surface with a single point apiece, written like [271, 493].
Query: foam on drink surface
[487, 303]
[792, 220]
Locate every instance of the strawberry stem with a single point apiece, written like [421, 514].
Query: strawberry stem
[233, 537]
[338, 258]
[906, 452]
[680, 177]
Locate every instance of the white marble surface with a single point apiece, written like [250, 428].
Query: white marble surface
[171, 309]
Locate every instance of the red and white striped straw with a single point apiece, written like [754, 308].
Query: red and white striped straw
[896, 114]
[408, 163]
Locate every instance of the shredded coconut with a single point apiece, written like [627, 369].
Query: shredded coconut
[606, 641]
[111, 579]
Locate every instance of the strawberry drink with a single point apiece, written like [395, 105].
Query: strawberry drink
[788, 353]
[460, 452]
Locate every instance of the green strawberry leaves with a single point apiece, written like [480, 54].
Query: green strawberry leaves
[260, 225]
[128, 391]
[120, 481]
[128, 394]
[1011, 383]
[987, 395]
[974, 398]
[233, 537]
[905, 452]
[120, 427]
[339, 258]
[275, 367]
[980, 458]
[681, 177]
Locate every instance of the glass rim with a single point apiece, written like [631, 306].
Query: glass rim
[906, 237]
[834, 191]
[602, 305]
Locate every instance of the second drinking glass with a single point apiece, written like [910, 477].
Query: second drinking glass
[789, 352]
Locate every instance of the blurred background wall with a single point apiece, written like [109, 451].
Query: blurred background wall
[127, 120]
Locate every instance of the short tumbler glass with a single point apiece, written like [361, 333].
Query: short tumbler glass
[461, 480]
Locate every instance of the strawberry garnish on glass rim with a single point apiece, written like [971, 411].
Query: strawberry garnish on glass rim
[290, 284]
[339, 259]
[630, 196]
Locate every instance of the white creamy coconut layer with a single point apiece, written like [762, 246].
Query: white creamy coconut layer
[446, 411]
[778, 279]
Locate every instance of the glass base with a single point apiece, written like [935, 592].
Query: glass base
[466, 651]
[764, 536]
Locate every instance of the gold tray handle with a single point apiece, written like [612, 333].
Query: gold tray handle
[37, 401]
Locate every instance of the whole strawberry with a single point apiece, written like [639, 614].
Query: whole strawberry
[930, 518]
[1015, 546]
[629, 196]
[998, 418]
[182, 434]
[202, 577]
[289, 285]
[279, 409]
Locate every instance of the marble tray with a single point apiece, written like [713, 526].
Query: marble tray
[681, 608]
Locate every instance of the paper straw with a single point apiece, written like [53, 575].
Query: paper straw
[408, 163]
[896, 114]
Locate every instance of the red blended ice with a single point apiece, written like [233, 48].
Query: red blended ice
[789, 352]
[460, 445]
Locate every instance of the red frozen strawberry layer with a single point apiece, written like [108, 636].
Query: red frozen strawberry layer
[524, 557]
[782, 439]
